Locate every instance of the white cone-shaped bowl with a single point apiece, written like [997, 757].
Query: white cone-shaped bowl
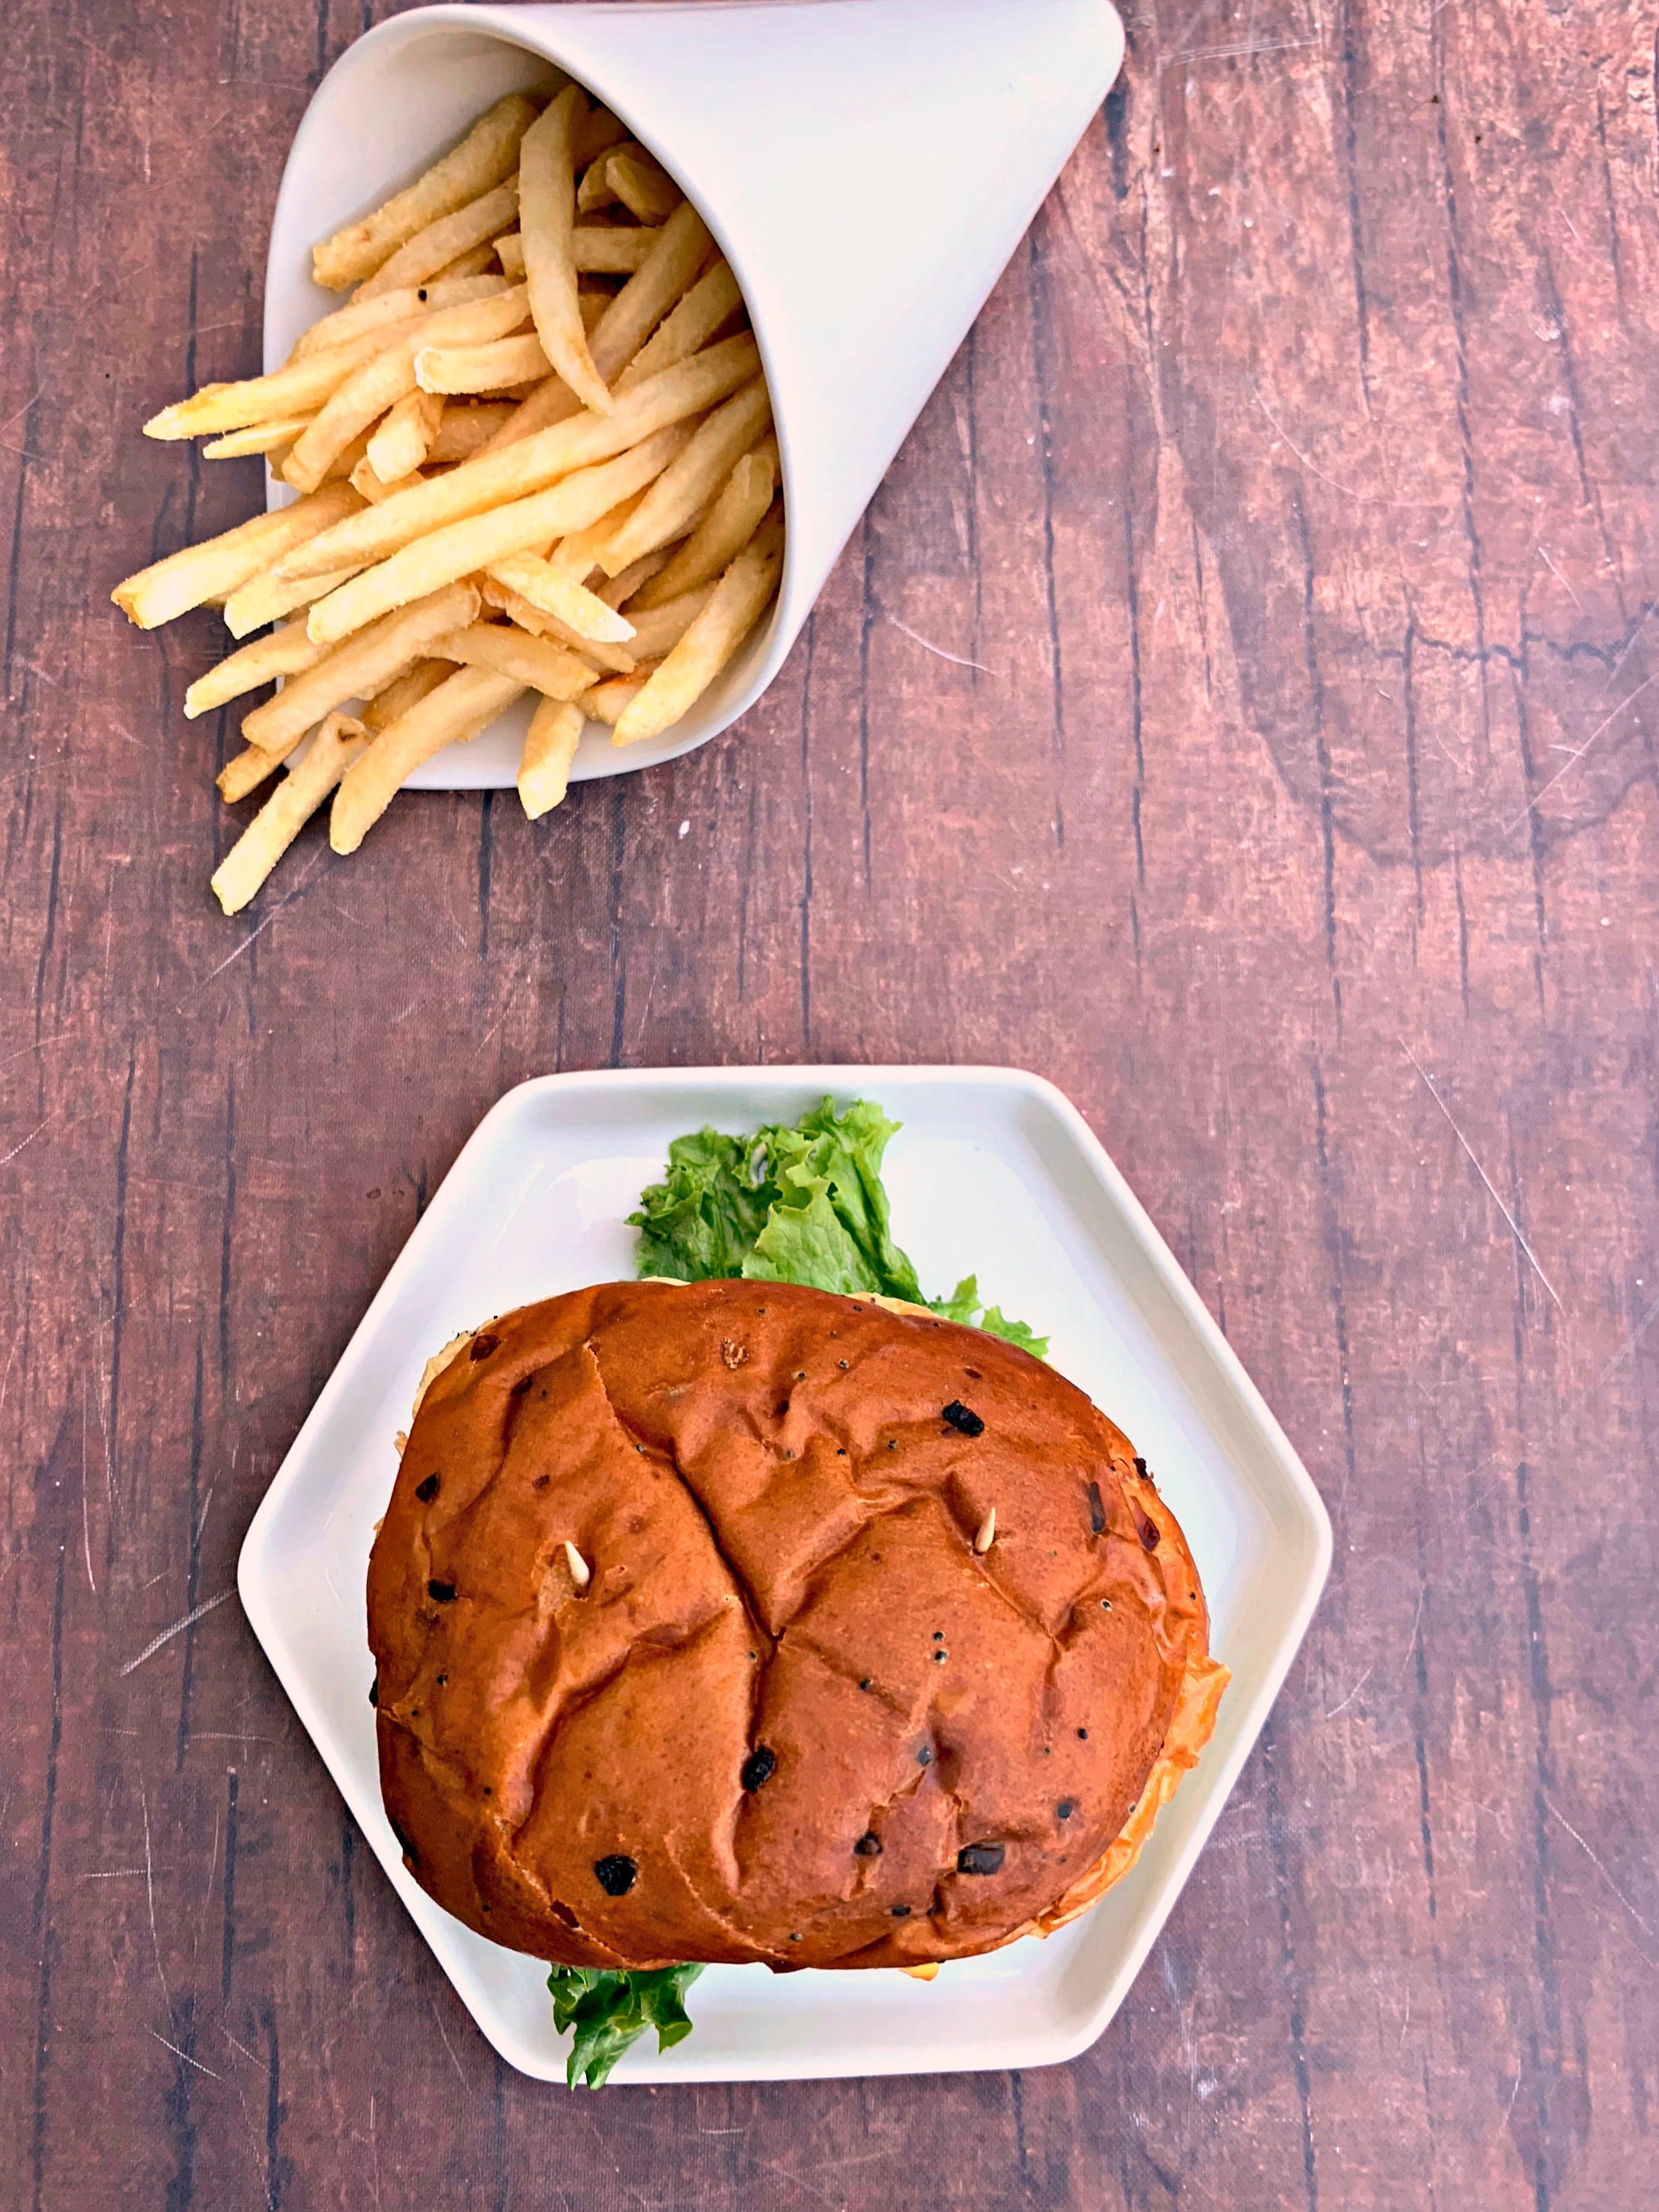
[867, 167]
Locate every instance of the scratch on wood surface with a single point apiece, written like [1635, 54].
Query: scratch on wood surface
[1531, 806]
[177, 1629]
[207, 1886]
[1184, 2021]
[150, 1895]
[24, 1146]
[1625, 1349]
[928, 645]
[1544, 555]
[250, 2055]
[1348, 491]
[86, 1523]
[21, 411]
[40, 1044]
[1245, 51]
[261, 2150]
[1550, 1806]
[184, 2054]
[288, 900]
[1352, 1693]
[1515, 1228]
[104, 1397]
[448, 2047]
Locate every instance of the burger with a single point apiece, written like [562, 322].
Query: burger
[739, 1621]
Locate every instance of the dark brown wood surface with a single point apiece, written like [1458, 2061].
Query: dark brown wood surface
[1277, 774]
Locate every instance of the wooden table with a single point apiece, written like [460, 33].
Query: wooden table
[1236, 707]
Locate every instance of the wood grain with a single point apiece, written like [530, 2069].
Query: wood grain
[1237, 707]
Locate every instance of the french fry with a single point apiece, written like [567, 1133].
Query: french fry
[285, 653]
[384, 708]
[466, 431]
[488, 153]
[259, 438]
[681, 493]
[610, 701]
[550, 402]
[267, 597]
[339, 741]
[547, 197]
[478, 261]
[340, 468]
[657, 634]
[402, 441]
[220, 566]
[299, 389]
[721, 535]
[516, 471]
[614, 660]
[578, 556]
[595, 189]
[712, 300]
[440, 243]
[509, 251]
[580, 610]
[735, 607]
[622, 588]
[243, 773]
[359, 668]
[680, 248]
[550, 746]
[367, 393]
[349, 417]
[492, 368]
[643, 187]
[535, 663]
[363, 479]
[521, 527]
[459, 709]
[605, 250]
[386, 307]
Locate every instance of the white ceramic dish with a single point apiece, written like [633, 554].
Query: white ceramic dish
[536, 1204]
[803, 133]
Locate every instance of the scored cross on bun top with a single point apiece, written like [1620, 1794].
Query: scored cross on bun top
[696, 1638]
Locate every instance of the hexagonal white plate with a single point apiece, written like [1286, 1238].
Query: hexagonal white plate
[993, 1172]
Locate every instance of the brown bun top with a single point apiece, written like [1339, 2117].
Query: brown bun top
[793, 1716]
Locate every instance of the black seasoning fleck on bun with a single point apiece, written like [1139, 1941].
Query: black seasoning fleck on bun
[684, 1649]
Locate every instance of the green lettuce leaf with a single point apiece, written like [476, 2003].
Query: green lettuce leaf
[611, 2011]
[796, 1202]
[703, 1218]
[829, 1165]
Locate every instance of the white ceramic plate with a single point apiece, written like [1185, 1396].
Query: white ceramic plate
[993, 1172]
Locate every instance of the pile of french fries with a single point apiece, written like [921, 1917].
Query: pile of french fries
[533, 452]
